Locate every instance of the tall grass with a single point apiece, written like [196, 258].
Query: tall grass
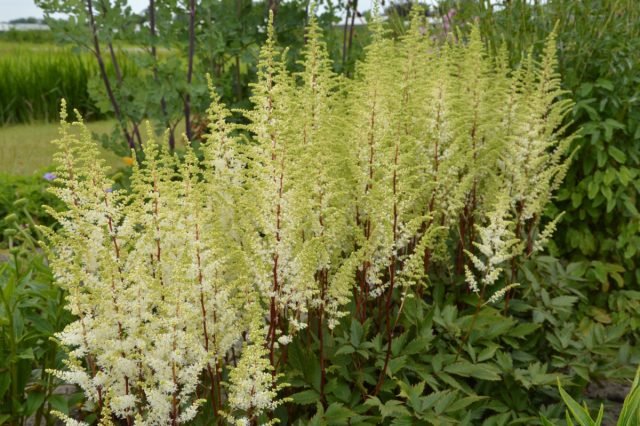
[34, 77]
[32, 82]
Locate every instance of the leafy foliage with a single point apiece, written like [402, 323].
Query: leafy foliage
[31, 312]
[629, 415]
[22, 201]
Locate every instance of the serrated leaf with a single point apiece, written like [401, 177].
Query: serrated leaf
[395, 364]
[356, 333]
[464, 403]
[403, 421]
[444, 402]
[482, 371]
[524, 329]
[393, 408]
[306, 397]
[340, 390]
[416, 346]
[338, 414]
[488, 352]
[564, 301]
[345, 350]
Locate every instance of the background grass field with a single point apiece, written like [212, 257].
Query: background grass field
[27, 149]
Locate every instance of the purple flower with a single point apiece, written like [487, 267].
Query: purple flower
[49, 176]
[108, 190]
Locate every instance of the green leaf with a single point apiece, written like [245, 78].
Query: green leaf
[403, 421]
[614, 123]
[600, 315]
[316, 420]
[306, 397]
[443, 402]
[630, 207]
[592, 189]
[564, 301]
[464, 403]
[356, 333]
[338, 414]
[576, 199]
[339, 389]
[482, 371]
[412, 393]
[579, 413]
[524, 329]
[630, 413]
[600, 272]
[345, 350]
[605, 84]
[34, 401]
[5, 380]
[617, 154]
[488, 352]
[393, 408]
[26, 353]
[59, 403]
[600, 415]
[8, 289]
[416, 346]
[395, 364]
[585, 89]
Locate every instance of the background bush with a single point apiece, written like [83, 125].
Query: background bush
[33, 195]
[31, 312]
[599, 59]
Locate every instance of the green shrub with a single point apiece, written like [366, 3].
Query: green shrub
[599, 59]
[24, 198]
[31, 312]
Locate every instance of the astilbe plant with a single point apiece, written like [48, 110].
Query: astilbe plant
[338, 197]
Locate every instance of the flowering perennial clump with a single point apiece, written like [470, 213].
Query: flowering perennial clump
[188, 288]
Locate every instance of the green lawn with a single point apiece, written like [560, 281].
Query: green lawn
[26, 149]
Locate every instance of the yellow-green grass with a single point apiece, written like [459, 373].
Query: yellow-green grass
[26, 148]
